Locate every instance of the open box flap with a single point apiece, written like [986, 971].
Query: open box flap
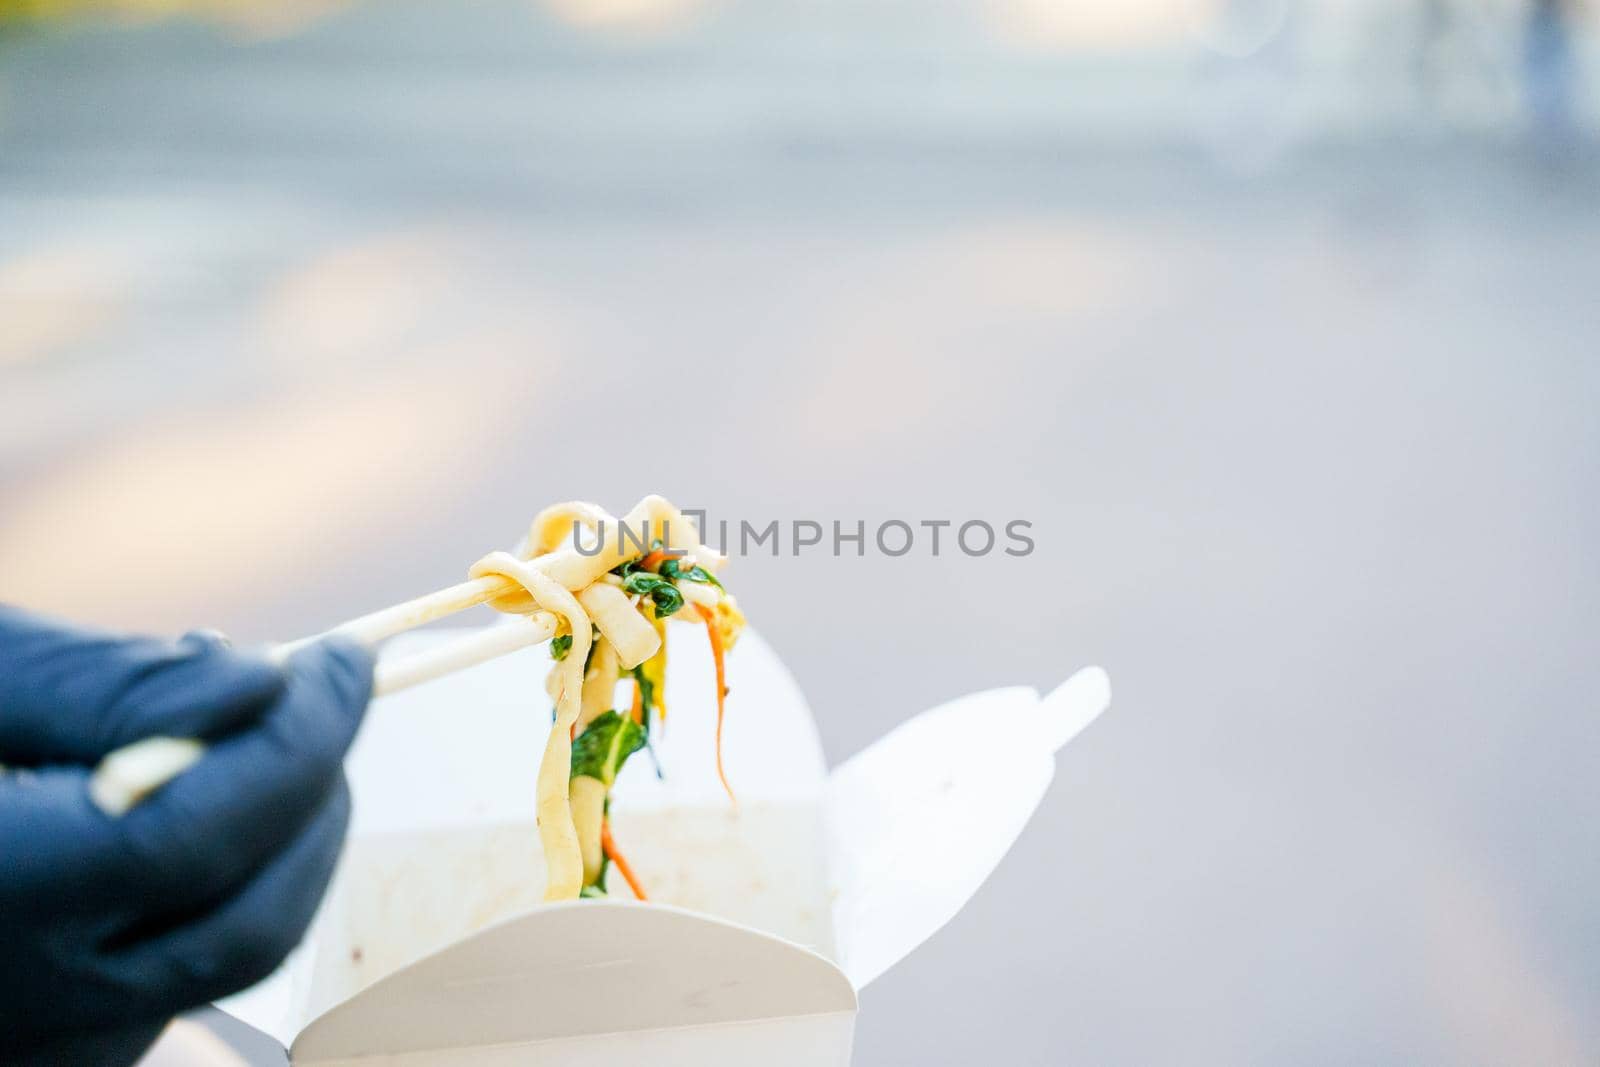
[919, 819]
[591, 967]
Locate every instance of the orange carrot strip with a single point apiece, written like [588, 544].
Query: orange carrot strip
[638, 702]
[722, 689]
[614, 854]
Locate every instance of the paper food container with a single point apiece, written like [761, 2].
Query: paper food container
[433, 946]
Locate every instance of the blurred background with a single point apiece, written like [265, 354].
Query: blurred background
[1277, 319]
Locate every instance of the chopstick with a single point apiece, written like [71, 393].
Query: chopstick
[127, 775]
[488, 643]
[132, 772]
[378, 626]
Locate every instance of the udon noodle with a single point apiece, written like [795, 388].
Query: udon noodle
[613, 585]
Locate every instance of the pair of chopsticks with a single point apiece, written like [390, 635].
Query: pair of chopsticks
[377, 627]
[129, 774]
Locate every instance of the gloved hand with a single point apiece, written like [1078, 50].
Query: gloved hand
[110, 926]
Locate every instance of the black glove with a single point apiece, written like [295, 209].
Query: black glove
[111, 925]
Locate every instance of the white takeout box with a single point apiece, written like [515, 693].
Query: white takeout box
[433, 946]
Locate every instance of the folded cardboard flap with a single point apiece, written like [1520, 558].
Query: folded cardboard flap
[919, 819]
[575, 969]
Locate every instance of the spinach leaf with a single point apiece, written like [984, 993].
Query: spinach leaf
[640, 582]
[600, 751]
[647, 705]
[661, 592]
[647, 693]
[667, 599]
[560, 646]
[699, 574]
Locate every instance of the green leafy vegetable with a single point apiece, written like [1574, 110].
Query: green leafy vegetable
[699, 574]
[600, 751]
[671, 568]
[560, 646]
[640, 582]
[661, 592]
[647, 693]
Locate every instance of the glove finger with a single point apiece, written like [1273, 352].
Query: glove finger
[243, 939]
[122, 1044]
[70, 904]
[71, 695]
[60, 853]
[253, 792]
[205, 690]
